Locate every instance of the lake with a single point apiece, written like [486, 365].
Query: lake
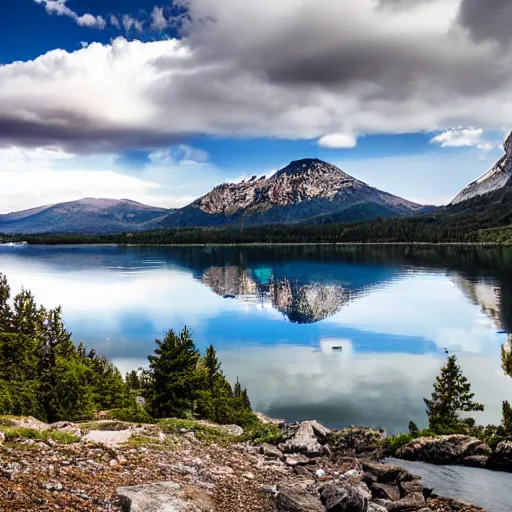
[346, 335]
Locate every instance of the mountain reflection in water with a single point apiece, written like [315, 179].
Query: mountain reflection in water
[392, 310]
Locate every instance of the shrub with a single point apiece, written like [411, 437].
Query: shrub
[133, 414]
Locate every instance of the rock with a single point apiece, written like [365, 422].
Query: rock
[297, 460]
[2, 437]
[266, 420]
[342, 499]
[374, 507]
[249, 476]
[412, 502]
[292, 499]
[369, 479]
[412, 486]
[271, 451]
[501, 459]
[452, 449]
[231, 430]
[158, 497]
[26, 422]
[68, 427]
[387, 473]
[385, 492]
[356, 441]
[108, 437]
[308, 437]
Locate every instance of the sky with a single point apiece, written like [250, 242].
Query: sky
[159, 102]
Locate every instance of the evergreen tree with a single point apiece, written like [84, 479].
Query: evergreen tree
[506, 356]
[173, 372]
[413, 428]
[507, 418]
[212, 366]
[451, 396]
[42, 374]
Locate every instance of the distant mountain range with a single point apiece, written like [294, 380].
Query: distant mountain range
[308, 190]
[86, 216]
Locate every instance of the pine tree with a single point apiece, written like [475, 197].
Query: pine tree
[413, 428]
[506, 356]
[237, 390]
[212, 365]
[173, 372]
[451, 396]
[507, 417]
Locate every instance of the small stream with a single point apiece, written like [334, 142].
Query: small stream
[491, 490]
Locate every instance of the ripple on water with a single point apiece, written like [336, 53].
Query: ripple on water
[488, 489]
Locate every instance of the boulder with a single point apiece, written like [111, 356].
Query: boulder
[68, 427]
[412, 502]
[108, 437]
[271, 451]
[388, 473]
[296, 499]
[25, 422]
[357, 441]
[501, 459]
[452, 449]
[266, 420]
[385, 492]
[337, 498]
[308, 437]
[157, 497]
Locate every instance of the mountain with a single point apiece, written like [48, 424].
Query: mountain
[83, 216]
[498, 178]
[305, 191]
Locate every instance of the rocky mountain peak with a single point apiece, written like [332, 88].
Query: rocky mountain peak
[497, 178]
[311, 166]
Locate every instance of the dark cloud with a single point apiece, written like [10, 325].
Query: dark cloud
[80, 135]
[487, 19]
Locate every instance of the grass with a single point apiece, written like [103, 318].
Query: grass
[14, 433]
[393, 443]
[255, 432]
[112, 425]
[260, 433]
[202, 432]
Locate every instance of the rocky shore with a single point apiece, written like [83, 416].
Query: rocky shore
[458, 450]
[115, 466]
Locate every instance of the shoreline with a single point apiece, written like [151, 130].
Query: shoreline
[486, 245]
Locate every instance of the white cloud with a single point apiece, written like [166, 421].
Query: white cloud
[158, 20]
[60, 8]
[338, 141]
[341, 67]
[129, 22]
[180, 154]
[32, 177]
[459, 137]
[114, 21]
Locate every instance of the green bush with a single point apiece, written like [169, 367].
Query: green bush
[133, 414]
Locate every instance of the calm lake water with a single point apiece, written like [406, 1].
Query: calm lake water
[347, 335]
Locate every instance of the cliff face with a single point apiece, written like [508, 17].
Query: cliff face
[497, 178]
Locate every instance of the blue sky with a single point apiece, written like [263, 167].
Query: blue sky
[159, 102]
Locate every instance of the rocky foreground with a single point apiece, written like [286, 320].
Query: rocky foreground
[113, 466]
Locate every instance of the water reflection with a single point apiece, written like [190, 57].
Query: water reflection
[346, 335]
